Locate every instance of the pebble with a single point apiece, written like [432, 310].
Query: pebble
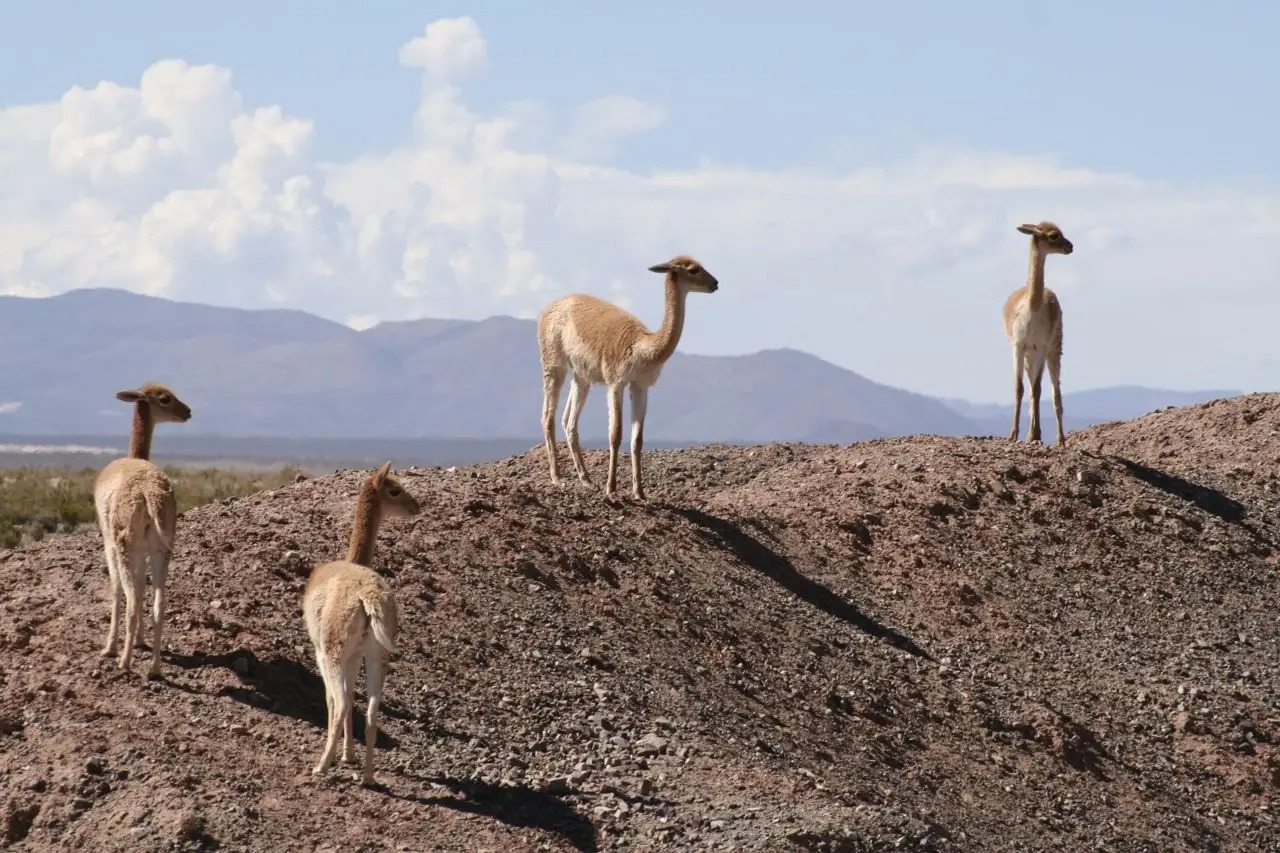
[651, 745]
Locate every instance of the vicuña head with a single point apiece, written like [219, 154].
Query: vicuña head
[153, 404]
[1049, 238]
[1033, 324]
[351, 614]
[688, 274]
[601, 344]
[138, 516]
[163, 404]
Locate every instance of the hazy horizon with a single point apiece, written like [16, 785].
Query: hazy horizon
[960, 404]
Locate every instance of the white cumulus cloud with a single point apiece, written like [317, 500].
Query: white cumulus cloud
[450, 49]
[601, 123]
[171, 185]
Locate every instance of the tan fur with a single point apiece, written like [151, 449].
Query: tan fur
[1033, 324]
[601, 344]
[138, 517]
[351, 615]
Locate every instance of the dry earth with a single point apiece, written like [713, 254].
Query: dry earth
[916, 644]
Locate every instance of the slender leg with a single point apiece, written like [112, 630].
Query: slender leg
[159, 560]
[552, 381]
[115, 594]
[1036, 370]
[336, 685]
[329, 709]
[373, 686]
[568, 407]
[572, 415]
[350, 670]
[639, 404]
[1055, 370]
[615, 437]
[133, 580]
[1017, 393]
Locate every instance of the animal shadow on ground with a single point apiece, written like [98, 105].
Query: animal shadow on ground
[286, 687]
[1072, 742]
[513, 805]
[1083, 749]
[778, 568]
[1210, 500]
[279, 685]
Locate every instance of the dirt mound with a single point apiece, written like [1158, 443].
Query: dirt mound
[924, 643]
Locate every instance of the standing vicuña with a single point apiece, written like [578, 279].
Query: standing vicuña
[138, 517]
[601, 344]
[1033, 323]
[351, 613]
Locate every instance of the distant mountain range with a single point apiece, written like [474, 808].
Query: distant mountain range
[292, 374]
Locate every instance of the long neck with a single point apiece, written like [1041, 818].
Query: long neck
[662, 343]
[1035, 276]
[143, 426]
[365, 530]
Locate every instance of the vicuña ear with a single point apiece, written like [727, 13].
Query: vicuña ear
[382, 472]
[130, 396]
[660, 268]
[1029, 229]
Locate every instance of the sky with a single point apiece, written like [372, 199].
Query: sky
[853, 173]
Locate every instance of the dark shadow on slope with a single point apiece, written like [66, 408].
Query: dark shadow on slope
[286, 687]
[1210, 500]
[1082, 749]
[279, 685]
[518, 806]
[778, 568]
[1073, 743]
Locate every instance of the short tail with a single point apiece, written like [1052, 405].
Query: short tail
[384, 618]
[155, 504]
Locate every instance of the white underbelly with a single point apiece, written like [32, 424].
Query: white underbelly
[596, 374]
[1035, 332]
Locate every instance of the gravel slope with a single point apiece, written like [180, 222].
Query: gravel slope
[919, 644]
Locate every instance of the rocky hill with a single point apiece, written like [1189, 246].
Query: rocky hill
[915, 643]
